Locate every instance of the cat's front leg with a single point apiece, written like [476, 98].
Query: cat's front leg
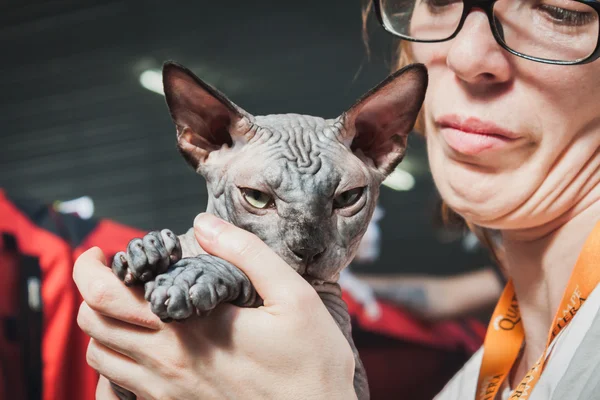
[197, 285]
[331, 295]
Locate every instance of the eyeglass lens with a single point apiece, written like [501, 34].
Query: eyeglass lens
[557, 30]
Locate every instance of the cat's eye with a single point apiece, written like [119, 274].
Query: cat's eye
[348, 198]
[256, 198]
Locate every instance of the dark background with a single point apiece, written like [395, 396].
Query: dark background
[74, 119]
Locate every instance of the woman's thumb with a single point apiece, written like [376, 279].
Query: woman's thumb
[272, 277]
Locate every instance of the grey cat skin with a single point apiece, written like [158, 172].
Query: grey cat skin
[306, 186]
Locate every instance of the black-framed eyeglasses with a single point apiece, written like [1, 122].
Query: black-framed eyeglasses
[564, 32]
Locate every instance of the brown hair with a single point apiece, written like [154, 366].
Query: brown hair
[402, 58]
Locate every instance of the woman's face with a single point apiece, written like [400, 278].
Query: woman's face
[512, 143]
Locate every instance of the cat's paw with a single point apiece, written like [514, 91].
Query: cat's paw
[191, 285]
[147, 257]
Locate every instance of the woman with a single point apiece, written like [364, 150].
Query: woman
[513, 138]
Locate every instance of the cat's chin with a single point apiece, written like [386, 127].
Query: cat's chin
[320, 276]
[316, 273]
[312, 280]
[316, 282]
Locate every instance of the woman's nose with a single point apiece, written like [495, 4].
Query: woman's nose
[475, 56]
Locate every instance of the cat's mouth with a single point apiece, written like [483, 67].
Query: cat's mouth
[298, 265]
[315, 272]
[312, 280]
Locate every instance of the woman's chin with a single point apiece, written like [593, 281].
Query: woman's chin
[499, 212]
[492, 197]
[483, 203]
[479, 214]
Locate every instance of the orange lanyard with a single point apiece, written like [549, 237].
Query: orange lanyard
[505, 333]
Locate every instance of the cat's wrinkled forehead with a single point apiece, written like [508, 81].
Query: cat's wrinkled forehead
[298, 127]
[305, 146]
[301, 139]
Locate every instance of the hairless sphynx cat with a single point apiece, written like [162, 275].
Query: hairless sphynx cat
[306, 186]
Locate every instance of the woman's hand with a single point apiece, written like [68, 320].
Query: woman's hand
[290, 348]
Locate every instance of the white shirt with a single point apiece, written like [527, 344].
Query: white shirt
[572, 370]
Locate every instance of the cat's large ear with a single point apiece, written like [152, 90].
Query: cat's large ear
[379, 123]
[206, 120]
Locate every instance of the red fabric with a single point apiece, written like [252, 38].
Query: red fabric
[11, 365]
[397, 323]
[58, 294]
[408, 358]
[66, 374]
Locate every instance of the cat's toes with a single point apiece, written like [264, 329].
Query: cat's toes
[138, 267]
[147, 257]
[190, 285]
[207, 287]
[171, 303]
[156, 295]
[172, 246]
[207, 292]
[132, 266]
[179, 305]
[120, 265]
[169, 300]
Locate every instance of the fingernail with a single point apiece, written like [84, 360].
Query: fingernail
[208, 226]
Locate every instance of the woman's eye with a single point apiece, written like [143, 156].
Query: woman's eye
[348, 198]
[563, 16]
[434, 5]
[256, 198]
[439, 3]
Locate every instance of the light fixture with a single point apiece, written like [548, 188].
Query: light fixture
[400, 180]
[82, 206]
[151, 79]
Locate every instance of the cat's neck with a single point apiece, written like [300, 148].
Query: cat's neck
[189, 244]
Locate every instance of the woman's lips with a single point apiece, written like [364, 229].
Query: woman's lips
[472, 136]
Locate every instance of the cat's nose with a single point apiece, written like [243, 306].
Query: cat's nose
[308, 255]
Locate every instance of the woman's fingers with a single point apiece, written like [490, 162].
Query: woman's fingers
[117, 368]
[105, 293]
[122, 337]
[274, 280]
